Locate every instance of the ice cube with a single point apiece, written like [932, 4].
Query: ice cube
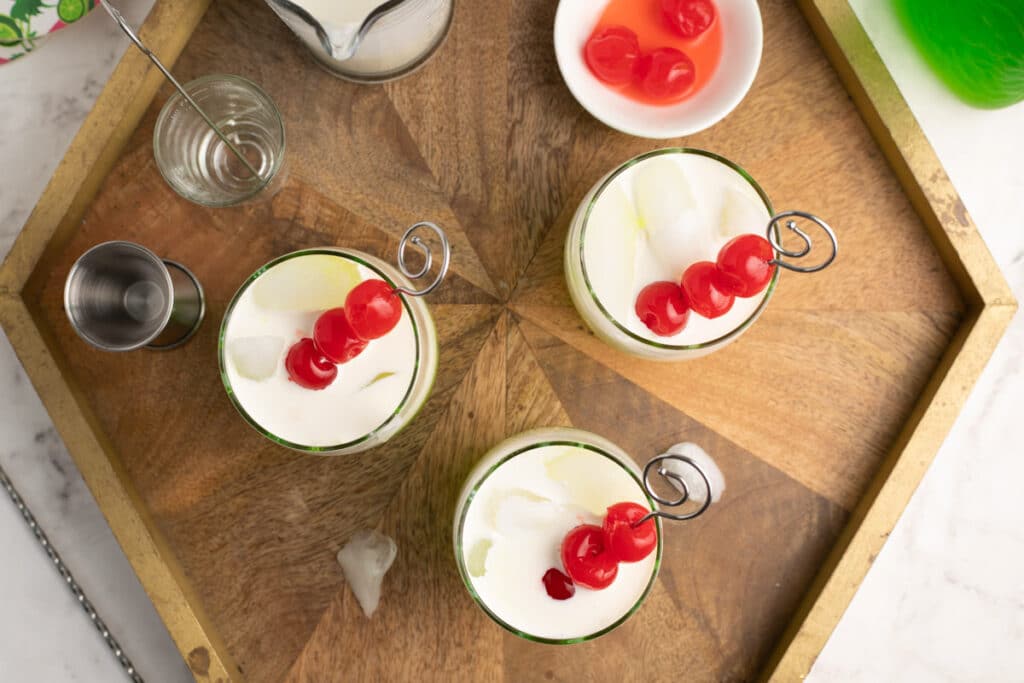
[364, 561]
[517, 511]
[590, 488]
[678, 245]
[739, 215]
[613, 230]
[662, 193]
[694, 482]
[476, 561]
[256, 358]
[307, 283]
[676, 230]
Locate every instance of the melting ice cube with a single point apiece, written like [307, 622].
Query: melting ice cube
[518, 511]
[677, 233]
[740, 214]
[365, 560]
[476, 561]
[256, 357]
[694, 482]
[587, 486]
[308, 283]
[662, 192]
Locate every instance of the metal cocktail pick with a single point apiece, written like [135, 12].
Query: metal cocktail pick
[123, 23]
[411, 238]
[657, 465]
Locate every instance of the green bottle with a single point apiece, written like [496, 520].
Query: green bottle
[975, 46]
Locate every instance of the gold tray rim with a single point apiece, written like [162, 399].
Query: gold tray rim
[121, 106]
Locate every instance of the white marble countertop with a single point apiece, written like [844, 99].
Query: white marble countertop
[944, 600]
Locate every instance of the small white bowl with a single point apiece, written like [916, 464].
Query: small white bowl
[742, 40]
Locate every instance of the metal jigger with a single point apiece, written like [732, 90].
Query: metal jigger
[120, 296]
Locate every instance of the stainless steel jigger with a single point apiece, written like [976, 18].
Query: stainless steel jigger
[120, 296]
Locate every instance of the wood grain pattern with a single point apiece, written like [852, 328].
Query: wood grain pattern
[800, 412]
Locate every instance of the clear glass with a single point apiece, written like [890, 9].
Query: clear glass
[597, 317]
[517, 445]
[427, 354]
[197, 164]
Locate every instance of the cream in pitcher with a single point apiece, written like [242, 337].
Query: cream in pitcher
[368, 40]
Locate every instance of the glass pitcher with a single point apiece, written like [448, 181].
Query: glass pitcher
[368, 40]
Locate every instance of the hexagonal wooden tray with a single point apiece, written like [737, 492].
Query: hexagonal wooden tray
[824, 416]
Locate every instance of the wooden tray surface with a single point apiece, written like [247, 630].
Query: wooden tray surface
[487, 141]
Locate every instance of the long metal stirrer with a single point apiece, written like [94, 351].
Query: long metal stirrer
[76, 590]
[123, 23]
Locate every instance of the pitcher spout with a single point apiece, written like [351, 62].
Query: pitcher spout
[337, 26]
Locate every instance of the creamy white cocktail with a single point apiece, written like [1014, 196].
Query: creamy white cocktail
[514, 524]
[279, 381]
[649, 221]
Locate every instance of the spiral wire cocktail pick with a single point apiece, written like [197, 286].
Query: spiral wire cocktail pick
[772, 231]
[679, 482]
[411, 238]
[130, 32]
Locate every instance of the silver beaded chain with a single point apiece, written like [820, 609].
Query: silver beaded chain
[73, 586]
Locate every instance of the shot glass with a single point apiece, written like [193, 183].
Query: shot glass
[197, 164]
[120, 296]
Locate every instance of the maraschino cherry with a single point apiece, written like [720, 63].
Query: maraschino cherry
[625, 541]
[689, 18]
[700, 283]
[335, 337]
[308, 367]
[612, 54]
[666, 74]
[662, 307]
[373, 309]
[745, 265]
[586, 559]
[591, 553]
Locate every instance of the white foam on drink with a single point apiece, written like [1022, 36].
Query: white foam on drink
[513, 534]
[362, 397]
[657, 218]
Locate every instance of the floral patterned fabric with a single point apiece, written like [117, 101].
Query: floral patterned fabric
[23, 23]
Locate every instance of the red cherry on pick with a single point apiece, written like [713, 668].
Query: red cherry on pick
[309, 368]
[558, 585]
[373, 309]
[700, 284]
[335, 338]
[662, 307]
[745, 265]
[627, 542]
[612, 54]
[586, 560]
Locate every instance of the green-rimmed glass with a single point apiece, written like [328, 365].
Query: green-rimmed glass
[593, 311]
[523, 443]
[424, 371]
